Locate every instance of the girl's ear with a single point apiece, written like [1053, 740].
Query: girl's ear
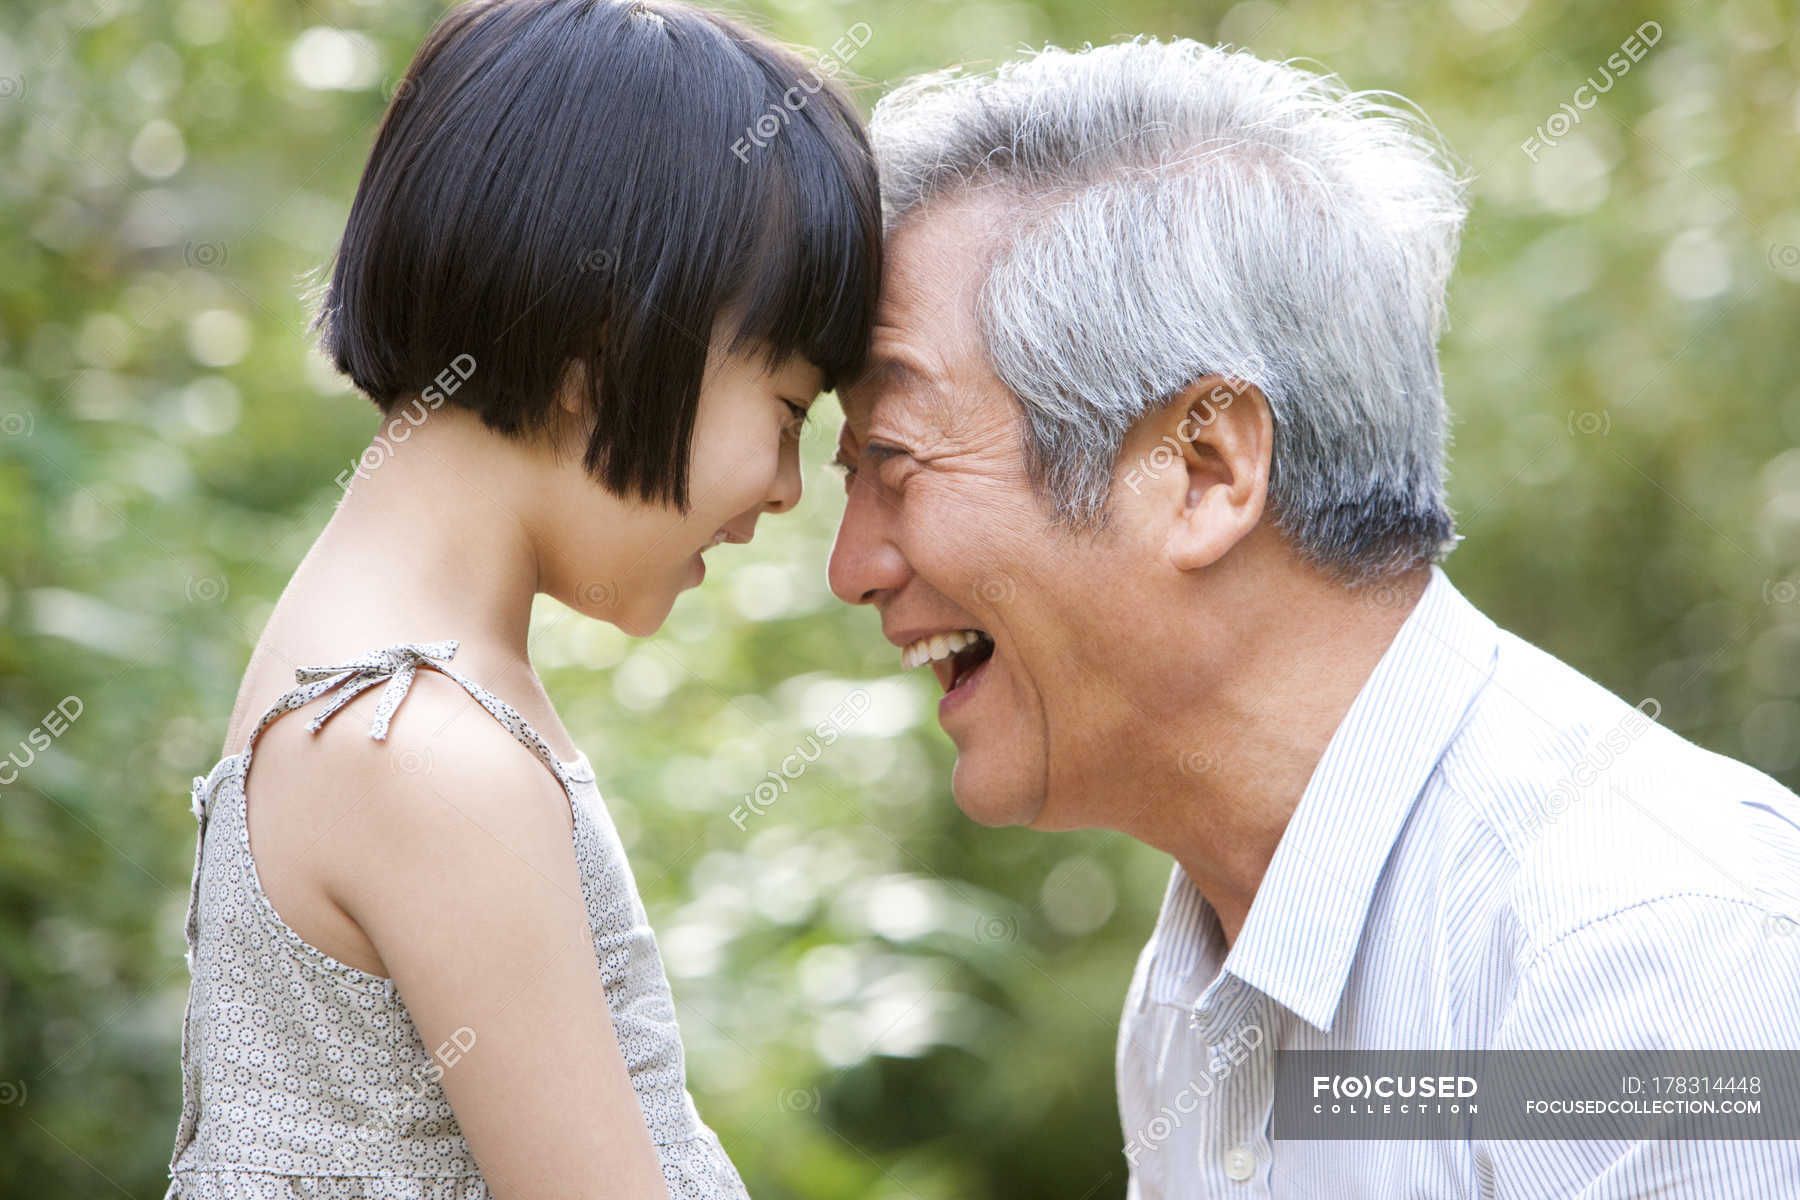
[572, 418]
[571, 392]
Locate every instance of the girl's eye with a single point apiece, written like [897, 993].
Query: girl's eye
[797, 418]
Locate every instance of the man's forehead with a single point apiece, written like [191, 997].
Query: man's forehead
[925, 334]
[886, 374]
[897, 389]
[935, 259]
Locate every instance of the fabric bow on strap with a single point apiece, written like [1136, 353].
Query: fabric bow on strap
[397, 665]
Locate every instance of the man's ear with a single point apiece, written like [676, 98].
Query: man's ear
[1202, 463]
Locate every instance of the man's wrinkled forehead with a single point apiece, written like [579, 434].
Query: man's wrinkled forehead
[888, 376]
[919, 401]
[926, 334]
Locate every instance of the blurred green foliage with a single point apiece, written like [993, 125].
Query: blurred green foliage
[880, 998]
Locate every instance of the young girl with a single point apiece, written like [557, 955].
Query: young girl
[420, 966]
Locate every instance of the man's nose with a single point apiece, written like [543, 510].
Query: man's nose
[864, 560]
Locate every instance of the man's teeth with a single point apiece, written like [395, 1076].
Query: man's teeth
[938, 645]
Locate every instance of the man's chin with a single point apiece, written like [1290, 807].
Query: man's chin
[994, 802]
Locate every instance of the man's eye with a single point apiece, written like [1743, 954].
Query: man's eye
[873, 455]
[877, 453]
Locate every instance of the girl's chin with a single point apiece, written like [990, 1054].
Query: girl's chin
[643, 619]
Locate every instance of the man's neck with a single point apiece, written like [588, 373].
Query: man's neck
[1264, 733]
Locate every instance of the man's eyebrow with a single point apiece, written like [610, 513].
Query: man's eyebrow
[886, 372]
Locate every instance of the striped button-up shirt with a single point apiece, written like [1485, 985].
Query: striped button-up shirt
[1493, 853]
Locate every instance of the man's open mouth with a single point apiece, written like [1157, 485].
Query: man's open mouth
[954, 656]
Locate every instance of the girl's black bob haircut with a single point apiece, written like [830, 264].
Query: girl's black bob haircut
[598, 182]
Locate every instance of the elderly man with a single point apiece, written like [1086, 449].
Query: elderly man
[1148, 468]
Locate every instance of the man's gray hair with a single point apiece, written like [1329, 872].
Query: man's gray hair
[1177, 209]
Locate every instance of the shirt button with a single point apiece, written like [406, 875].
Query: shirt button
[1240, 1164]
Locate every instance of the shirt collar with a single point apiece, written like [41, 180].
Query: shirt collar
[1301, 935]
